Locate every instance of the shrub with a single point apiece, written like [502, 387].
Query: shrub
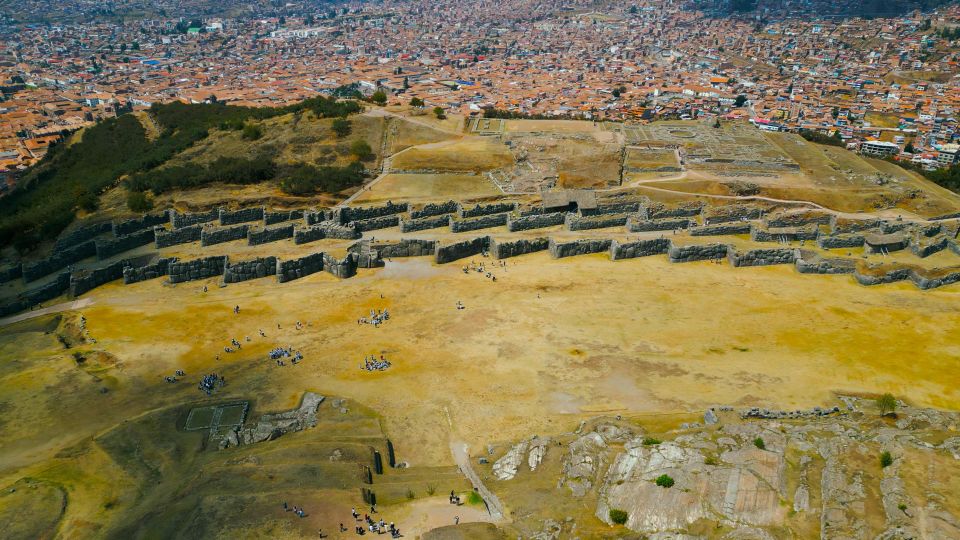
[431, 489]
[474, 498]
[650, 441]
[711, 460]
[138, 201]
[902, 507]
[886, 459]
[252, 132]
[416, 102]
[361, 149]
[438, 112]
[664, 481]
[342, 127]
[887, 404]
[379, 97]
[758, 442]
[618, 516]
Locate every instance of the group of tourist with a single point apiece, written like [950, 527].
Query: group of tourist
[173, 379]
[295, 509]
[211, 382]
[376, 318]
[480, 269]
[371, 363]
[372, 525]
[279, 353]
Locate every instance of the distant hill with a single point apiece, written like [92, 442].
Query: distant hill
[774, 9]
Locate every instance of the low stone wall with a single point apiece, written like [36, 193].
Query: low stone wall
[180, 221]
[459, 250]
[206, 267]
[727, 214]
[247, 270]
[244, 215]
[348, 213]
[602, 221]
[928, 229]
[477, 223]
[209, 237]
[135, 274]
[926, 249]
[164, 238]
[314, 218]
[573, 248]
[435, 209]
[640, 248]
[148, 221]
[344, 268]
[107, 248]
[890, 227]
[536, 221]
[81, 235]
[931, 282]
[612, 208]
[798, 219]
[59, 260]
[407, 247]
[722, 229]
[809, 262]
[422, 224]
[35, 296]
[845, 225]
[274, 217]
[81, 282]
[705, 252]
[326, 229]
[11, 273]
[921, 278]
[486, 209]
[840, 241]
[660, 211]
[635, 224]
[788, 234]
[267, 235]
[376, 223]
[309, 234]
[762, 257]
[298, 268]
[891, 276]
[505, 250]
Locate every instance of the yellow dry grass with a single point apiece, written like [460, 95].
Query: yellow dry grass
[476, 154]
[428, 187]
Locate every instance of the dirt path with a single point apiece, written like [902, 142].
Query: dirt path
[56, 308]
[461, 456]
[428, 514]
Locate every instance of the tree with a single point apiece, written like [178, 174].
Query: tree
[664, 481]
[252, 131]
[416, 102]
[135, 46]
[379, 97]
[616, 92]
[835, 113]
[361, 149]
[406, 83]
[886, 459]
[909, 148]
[342, 127]
[438, 112]
[740, 101]
[618, 516]
[138, 201]
[887, 404]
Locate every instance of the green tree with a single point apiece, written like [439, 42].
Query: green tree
[416, 102]
[664, 481]
[740, 101]
[252, 131]
[438, 112]
[379, 97]
[618, 516]
[909, 148]
[361, 149]
[135, 46]
[342, 127]
[138, 201]
[886, 459]
[616, 92]
[887, 404]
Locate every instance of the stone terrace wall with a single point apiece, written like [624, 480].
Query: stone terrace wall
[762, 257]
[635, 224]
[477, 223]
[407, 247]
[459, 250]
[844, 225]
[928, 229]
[148, 221]
[790, 234]
[577, 247]
[274, 217]
[326, 229]
[197, 269]
[86, 281]
[107, 248]
[798, 219]
[135, 274]
[422, 224]
[435, 209]
[313, 218]
[726, 214]
[640, 248]
[612, 208]
[926, 249]
[890, 227]
[266, 235]
[344, 268]
[180, 221]
[536, 221]
[58, 260]
[309, 234]
[575, 223]
[164, 238]
[209, 237]
[931, 282]
[840, 241]
[722, 229]
[81, 235]
[373, 224]
[244, 215]
[298, 268]
[697, 253]
[30, 298]
[809, 262]
[246, 270]
[505, 250]
[486, 209]
[11, 273]
[660, 211]
[349, 213]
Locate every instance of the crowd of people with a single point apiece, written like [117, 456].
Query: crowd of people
[211, 382]
[371, 363]
[279, 353]
[373, 526]
[376, 318]
[482, 269]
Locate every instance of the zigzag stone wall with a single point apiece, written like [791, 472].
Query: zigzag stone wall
[45, 292]
[210, 237]
[575, 223]
[435, 209]
[373, 224]
[266, 235]
[326, 229]
[705, 252]
[348, 214]
[722, 229]
[726, 214]
[811, 263]
[505, 250]
[477, 223]
[659, 211]
[840, 241]
[274, 217]
[244, 215]
[11, 273]
[246, 270]
[107, 248]
[635, 224]
[790, 234]
[536, 221]
[298, 268]
[577, 247]
[206, 267]
[164, 238]
[422, 224]
[135, 274]
[612, 208]
[640, 248]
[180, 221]
[486, 209]
[58, 260]
[459, 250]
[407, 247]
[147, 221]
[343, 268]
[86, 281]
[762, 257]
[81, 235]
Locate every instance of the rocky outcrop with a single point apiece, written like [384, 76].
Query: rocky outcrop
[506, 467]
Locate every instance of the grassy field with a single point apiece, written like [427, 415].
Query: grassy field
[475, 154]
[429, 187]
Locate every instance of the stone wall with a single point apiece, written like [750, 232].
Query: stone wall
[313, 218]
[373, 224]
[267, 235]
[602, 221]
[926, 249]
[422, 224]
[660, 211]
[536, 221]
[505, 250]
[309, 234]
[81, 282]
[164, 238]
[640, 248]
[82, 234]
[326, 229]
[890, 276]
[298, 268]
[612, 208]
[244, 215]
[247, 270]
[762, 257]
[459, 250]
[928, 229]
[726, 214]
[58, 260]
[798, 219]
[477, 223]
[486, 209]
[809, 262]
[875, 243]
[344, 268]
[722, 229]
[209, 237]
[47, 291]
[577, 247]
[11, 273]
[890, 227]
[148, 221]
[180, 221]
[697, 252]
[206, 267]
[840, 241]
[107, 248]
[274, 217]
[786, 234]
[934, 280]
[435, 209]
[635, 224]
[407, 247]
[348, 213]
[845, 225]
[135, 274]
